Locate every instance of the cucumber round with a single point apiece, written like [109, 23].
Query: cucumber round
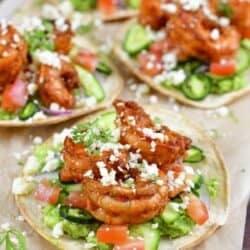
[28, 111]
[90, 84]
[242, 60]
[75, 215]
[194, 155]
[196, 87]
[136, 40]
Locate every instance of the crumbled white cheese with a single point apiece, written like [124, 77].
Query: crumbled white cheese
[32, 166]
[52, 162]
[22, 185]
[48, 58]
[5, 226]
[149, 170]
[223, 111]
[31, 23]
[59, 138]
[32, 88]
[107, 178]
[191, 5]
[61, 24]
[155, 226]
[50, 12]
[37, 140]
[153, 99]
[215, 34]
[57, 231]
[89, 174]
[152, 134]
[66, 8]
[54, 106]
[90, 101]
[169, 7]
[38, 116]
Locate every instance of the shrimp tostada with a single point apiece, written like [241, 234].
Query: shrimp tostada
[49, 75]
[195, 51]
[106, 10]
[124, 180]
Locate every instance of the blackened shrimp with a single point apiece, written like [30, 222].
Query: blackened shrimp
[157, 145]
[13, 54]
[56, 85]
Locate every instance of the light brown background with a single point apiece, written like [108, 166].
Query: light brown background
[233, 140]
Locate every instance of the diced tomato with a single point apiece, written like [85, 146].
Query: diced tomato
[161, 47]
[197, 210]
[47, 193]
[87, 60]
[112, 234]
[246, 33]
[132, 244]
[223, 69]
[107, 7]
[76, 199]
[150, 64]
[14, 96]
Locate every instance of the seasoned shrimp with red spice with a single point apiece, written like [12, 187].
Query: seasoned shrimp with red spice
[13, 54]
[56, 85]
[158, 145]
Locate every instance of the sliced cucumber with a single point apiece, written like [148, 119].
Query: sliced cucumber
[136, 40]
[106, 120]
[198, 181]
[169, 214]
[245, 43]
[196, 87]
[28, 111]
[75, 215]
[150, 235]
[194, 155]
[242, 60]
[135, 4]
[223, 86]
[102, 67]
[90, 83]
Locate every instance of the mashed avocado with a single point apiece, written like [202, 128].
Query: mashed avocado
[51, 217]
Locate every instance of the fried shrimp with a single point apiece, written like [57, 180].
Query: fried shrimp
[13, 54]
[157, 145]
[63, 36]
[241, 16]
[152, 14]
[118, 205]
[192, 34]
[56, 85]
[78, 162]
[112, 203]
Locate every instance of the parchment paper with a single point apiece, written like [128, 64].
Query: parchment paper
[232, 135]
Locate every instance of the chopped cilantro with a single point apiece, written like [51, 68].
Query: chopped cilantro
[13, 239]
[88, 134]
[225, 9]
[212, 186]
[40, 38]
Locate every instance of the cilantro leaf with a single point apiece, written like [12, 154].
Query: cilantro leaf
[7, 236]
[225, 9]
